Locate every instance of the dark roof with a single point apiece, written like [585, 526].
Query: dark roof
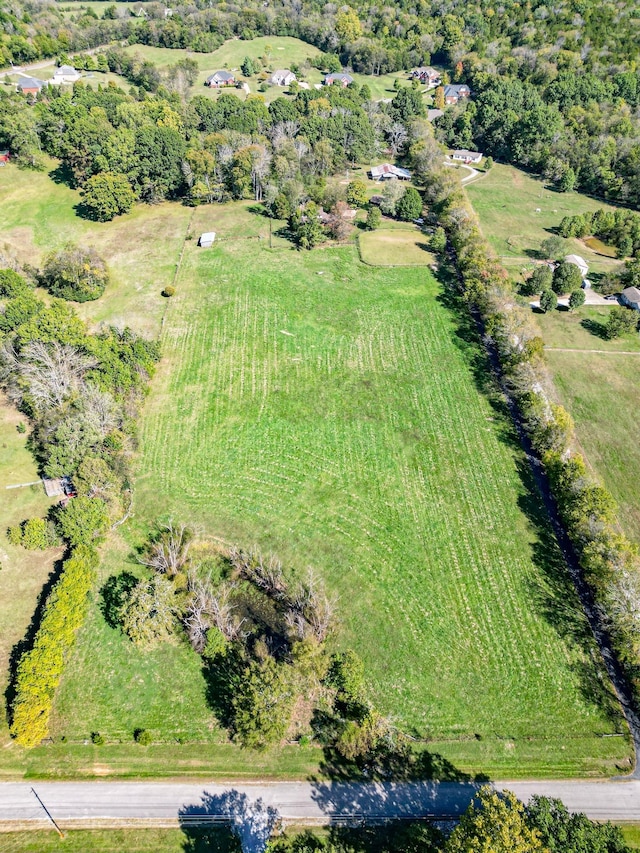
[221, 75]
[30, 83]
[632, 294]
[455, 89]
[341, 76]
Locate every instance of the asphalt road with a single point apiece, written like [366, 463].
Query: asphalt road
[255, 805]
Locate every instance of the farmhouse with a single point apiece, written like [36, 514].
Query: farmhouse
[630, 297]
[426, 75]
[467, 156]
[219, 79]
[207, 239]
[282, 77]
[66, 74]
[453, 93]
[342, 78]
[388, 172]
[30, 85]
[579, 262]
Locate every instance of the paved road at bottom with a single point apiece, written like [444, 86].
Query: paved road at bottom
[77, 803]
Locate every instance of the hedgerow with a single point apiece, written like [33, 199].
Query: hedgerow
[610, 563]
[40, 669]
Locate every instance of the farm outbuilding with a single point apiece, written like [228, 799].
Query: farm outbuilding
[207, 239]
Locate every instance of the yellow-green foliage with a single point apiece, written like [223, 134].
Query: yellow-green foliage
[40, 669]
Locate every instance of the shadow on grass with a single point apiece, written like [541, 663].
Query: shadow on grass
[594, 328]
[25, 644]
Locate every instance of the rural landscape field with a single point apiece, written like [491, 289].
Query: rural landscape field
[338, 419]
[319, 348]
[596, 378]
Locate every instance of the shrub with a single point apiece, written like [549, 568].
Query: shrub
[409, 206]
[83, 521]
[40, 669]
[14, 534]
[374, 218]
[21, 428]
[35, 534]
[357, 193]
[97, 738]
[75, 273]
[169, 290]
[143, 737]
[621, 321]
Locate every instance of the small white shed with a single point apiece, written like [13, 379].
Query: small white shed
[206, 240]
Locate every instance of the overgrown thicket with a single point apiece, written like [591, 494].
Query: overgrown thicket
[40, 669]
[611, 564]
[81, 393]
[261, 631]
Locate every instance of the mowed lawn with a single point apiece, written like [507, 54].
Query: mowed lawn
[518, 211]
[602, 393]
[328, 412]
[282, 52]
[395, 248]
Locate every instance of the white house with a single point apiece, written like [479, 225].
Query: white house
[282, 77]
[66, 74]
[579, 262]
[467, 156]
[630, 297]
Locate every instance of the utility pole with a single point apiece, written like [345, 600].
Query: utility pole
[48, 814]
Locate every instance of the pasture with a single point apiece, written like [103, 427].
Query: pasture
[518, 211]
[329, 412]
[395, 248]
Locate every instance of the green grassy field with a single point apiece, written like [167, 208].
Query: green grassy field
[395, 247]
[507, 200]
[193, 839]
[327, 411]
[284, 52]
[602, 392]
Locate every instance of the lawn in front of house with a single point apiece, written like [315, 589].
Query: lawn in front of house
[406, 247]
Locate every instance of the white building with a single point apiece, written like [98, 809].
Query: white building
[66, 74]
[467, 156]
[579, 262]
[207, 239]
[282, 77]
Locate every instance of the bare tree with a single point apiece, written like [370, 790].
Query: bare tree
[310, 611]
[49, 372]
[208, 609]
[398, 136]
[170, 552]
[266, 575]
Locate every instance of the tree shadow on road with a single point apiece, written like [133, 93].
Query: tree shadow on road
[227, 823]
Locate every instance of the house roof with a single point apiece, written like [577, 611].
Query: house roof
[221, 75]
[427, 70]
[282, 72]
[207, 237]
[66, 69]
[577, 261]
[632, 294]
[463, 153]
[455, 89]
[30, 83]
[389, 169]
[341, 76]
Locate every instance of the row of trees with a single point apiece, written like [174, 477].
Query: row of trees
[494, 821]
[40, 669]
[619, 228]
[610, 563]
